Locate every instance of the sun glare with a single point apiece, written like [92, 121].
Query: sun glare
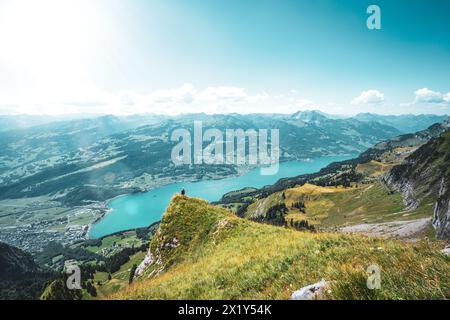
[50, 41]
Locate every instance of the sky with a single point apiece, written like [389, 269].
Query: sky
[182, 56]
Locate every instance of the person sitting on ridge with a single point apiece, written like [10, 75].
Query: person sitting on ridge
[183, 192]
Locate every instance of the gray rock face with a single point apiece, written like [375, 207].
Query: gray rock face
[312, 292]
[441, 215]
[410, 230]
[149, 259]
[424, 178]
[446, 251]
[406, 188]
[155, 258]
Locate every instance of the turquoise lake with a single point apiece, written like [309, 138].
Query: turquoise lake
[143, 209]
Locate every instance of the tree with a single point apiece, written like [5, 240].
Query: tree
[91, 289]
[303, 225]
[275, 214]
[132, 272]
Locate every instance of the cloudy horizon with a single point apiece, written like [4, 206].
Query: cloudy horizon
[220, 100]
[61, 57]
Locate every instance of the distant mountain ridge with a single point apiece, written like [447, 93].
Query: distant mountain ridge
[310, 116]
[404, 123]
[410, 139]
[66, 156]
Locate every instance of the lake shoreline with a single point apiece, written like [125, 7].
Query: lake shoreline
[177, 185]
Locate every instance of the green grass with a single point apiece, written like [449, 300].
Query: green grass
[106, 243]
[261, 207]
[127, 239]
[119, 279]
[220, 256]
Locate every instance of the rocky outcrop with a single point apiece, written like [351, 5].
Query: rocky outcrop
[441, 215]
[424, 178]
[410, 230]
[312, 292]
[154, 256]
[404, 186]
[149, 259]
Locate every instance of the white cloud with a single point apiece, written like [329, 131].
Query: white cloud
[369, 97]
[184, 93]
[187, 98]
[426, 95]
[183, 99]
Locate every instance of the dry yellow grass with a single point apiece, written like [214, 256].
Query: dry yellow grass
[373, 168]
[308, 192]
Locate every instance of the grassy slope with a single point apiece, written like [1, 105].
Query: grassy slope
[220, 256]
[337, 206]
[373, 168]
[118, 280]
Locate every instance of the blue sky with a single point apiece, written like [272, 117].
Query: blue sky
[175, 56]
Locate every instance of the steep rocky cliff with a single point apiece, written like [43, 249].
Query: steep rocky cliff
[424, 177]
[441, 215]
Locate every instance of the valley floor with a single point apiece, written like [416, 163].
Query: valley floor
[412, 230]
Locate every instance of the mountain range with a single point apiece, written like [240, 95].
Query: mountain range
[79, 155]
